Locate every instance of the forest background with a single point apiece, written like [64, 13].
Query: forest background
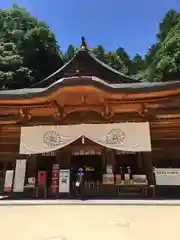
[27, 43]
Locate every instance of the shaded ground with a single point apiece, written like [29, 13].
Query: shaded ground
[89, 222]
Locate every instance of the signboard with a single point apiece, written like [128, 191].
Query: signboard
[8, 180]
[167, 176]
[86, 152]
[19, 177]
[64, 181]
[42, 178]
[55, 178]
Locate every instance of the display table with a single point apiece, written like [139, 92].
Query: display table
[97, 189]
[30, 187]
[135, 187]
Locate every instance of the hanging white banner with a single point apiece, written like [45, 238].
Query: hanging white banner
[133, 137]
[167, 176]
[19, 177]
[41, 139]
[8, 180]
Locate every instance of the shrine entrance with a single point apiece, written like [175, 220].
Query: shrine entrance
[91, 165]
[92, 147]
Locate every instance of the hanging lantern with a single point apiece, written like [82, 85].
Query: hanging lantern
[83, 140]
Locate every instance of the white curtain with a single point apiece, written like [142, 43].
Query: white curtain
[19, 177]
[121, 136]
[41, 139]
[133, 137]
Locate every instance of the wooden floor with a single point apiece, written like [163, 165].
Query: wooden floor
[83, 222]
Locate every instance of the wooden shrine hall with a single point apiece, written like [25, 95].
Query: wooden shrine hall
[124, 134]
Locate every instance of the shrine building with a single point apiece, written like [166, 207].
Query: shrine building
[123, 133]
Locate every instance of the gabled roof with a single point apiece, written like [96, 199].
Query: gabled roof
[84, 63]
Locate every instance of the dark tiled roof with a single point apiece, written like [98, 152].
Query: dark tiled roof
[88, 65]
[89, 81]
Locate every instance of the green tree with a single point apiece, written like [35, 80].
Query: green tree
[99, 52]
[29, 51]
[125, 62]
[166, 64]
[12, 72]
[162, 59]
[33, 43]
[138, 62]
[171, 18]
[122, 54]
[43, 55]
[137, 66]
[69, 54]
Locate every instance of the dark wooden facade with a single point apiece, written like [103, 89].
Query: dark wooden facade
[91, 104]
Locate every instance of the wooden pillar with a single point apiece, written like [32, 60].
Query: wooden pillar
[139, 160]
[63, 158]
[31, 169]
[58, 157]
[5, 168]
[147, 158]
[104, 159]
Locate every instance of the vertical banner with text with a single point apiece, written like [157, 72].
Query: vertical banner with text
[8, 181]
[19, 177]
[42, 178]
[55, 178]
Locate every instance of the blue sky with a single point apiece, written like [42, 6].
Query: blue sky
[131, 24]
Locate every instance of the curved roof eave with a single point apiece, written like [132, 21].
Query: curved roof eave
[129, 88]
[109, 68]
[56, 72]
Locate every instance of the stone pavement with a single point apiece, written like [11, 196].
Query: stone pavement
[88, 202]
[89, 222]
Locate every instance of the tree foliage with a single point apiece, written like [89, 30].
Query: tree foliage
[29, 51]
[69, 54]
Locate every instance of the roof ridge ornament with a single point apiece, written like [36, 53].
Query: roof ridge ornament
[83, 44]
